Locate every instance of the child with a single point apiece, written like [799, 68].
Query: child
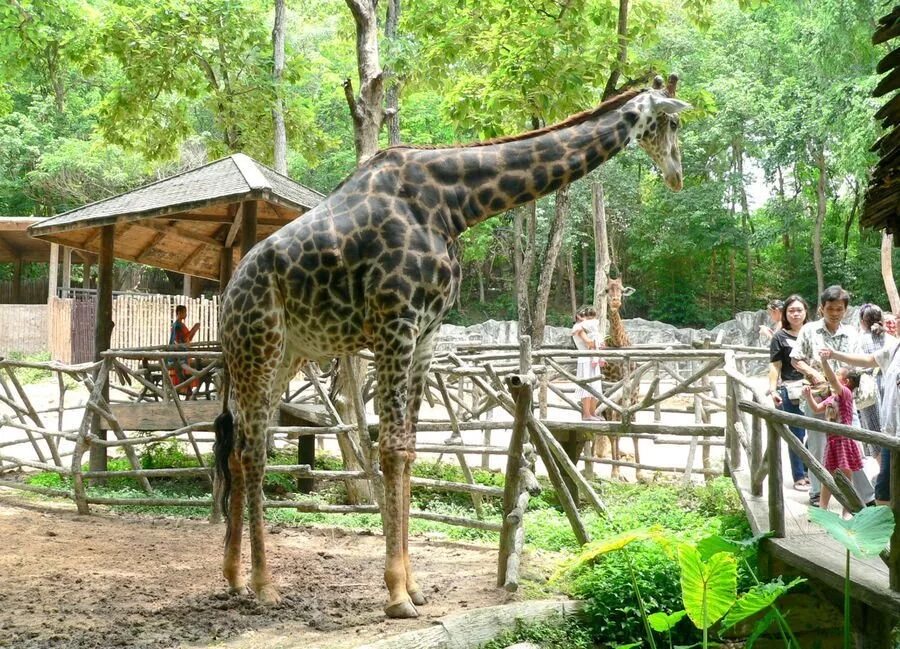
[841, 453]
[585, 334]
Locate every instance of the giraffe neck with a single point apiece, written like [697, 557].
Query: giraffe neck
[617, 334]
[476, 182]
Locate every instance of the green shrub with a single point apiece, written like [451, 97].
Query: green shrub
[168, 454]
[562, 634]
[611, 609]
[49, 480]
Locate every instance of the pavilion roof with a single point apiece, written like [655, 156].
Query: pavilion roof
[183, 222]
[881, 210]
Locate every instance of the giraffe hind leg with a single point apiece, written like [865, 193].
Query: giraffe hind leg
[253, 462]
[235, 524]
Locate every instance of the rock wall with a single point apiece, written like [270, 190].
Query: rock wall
[742, 330]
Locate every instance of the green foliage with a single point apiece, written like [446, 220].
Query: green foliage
[866, 534]
[169, 454]
[28, 375]
[567, 634]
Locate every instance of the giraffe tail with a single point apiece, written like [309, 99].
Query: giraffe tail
[222, 449]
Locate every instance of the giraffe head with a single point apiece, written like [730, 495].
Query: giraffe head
[615, 291]
[657, 128]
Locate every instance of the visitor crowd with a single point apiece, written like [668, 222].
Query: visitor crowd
[813, 371]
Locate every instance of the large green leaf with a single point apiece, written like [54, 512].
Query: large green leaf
[708, 588]
[756, 599]
[866, 534]
[761, 627]
[662, 622]
[604, 546]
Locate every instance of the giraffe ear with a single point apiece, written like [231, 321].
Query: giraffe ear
[628, 290]
[670, 105]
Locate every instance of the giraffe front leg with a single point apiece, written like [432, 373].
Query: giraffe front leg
[395, 515]
[232, 564]
[412, 587]
[254, 463]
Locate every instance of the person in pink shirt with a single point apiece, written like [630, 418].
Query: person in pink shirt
[841, 453]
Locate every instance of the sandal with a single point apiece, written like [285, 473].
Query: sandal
[802, 485]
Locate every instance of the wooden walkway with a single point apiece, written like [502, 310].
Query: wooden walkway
[807, 549]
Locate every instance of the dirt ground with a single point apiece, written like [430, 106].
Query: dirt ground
[112, 581]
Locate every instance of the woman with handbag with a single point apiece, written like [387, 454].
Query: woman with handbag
[785, 381]
[872, 337]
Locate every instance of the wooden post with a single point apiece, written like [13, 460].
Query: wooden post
[103, 334]
[67, 270]
[186, 286]
[776, 489]
[54, 270]
[248, 227]
[86, 280]
[226, 267]
[894, 566]
[756, 456]
[17, 281]
[521, 391]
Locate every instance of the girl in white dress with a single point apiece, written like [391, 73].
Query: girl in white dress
[586, 334]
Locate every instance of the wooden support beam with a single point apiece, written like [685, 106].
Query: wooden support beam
[171, 227]
[235, 226]
[67, 269]
[103, 333]
[54, 269]
[248, 227]
[17, 280]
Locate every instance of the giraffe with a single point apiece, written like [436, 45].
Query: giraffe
[375, 265]
[613, 371]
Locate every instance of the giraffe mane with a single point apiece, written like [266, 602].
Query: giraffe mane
[606, 107]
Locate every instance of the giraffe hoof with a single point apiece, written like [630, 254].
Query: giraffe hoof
[239, 588]
[401, 610]
[418, 598]
[268, 595]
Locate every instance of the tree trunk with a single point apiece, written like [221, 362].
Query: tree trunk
[601, 256]
[524, 262]
[392, 102]
[570, 271]
[367, 109]
[277, 73]
[621, 58]
[745, 211]
[849, 222]
[554, 243]
[887, 272]
[820, 221]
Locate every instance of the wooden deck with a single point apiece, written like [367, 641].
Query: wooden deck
[813, 553]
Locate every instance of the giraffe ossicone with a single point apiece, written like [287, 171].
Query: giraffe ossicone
[375, 265]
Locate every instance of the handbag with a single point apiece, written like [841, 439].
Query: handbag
[866, 393]
[794, 389]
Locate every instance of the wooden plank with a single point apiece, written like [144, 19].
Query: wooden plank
[823, 558]
[162, 416]
[315, 414]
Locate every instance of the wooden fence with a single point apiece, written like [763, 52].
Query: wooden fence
[468, 385]
[141, 321]
[33, 290]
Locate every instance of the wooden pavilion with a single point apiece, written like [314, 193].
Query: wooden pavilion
[198, 223]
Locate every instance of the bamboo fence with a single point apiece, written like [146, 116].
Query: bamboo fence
[471, 385]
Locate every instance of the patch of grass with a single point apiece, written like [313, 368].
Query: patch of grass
[27, 375]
